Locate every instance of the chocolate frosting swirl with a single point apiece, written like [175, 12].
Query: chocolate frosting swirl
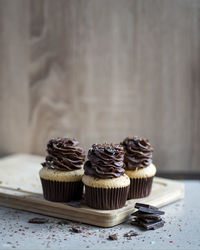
[138, 152]
[64, 154]
[105, 161]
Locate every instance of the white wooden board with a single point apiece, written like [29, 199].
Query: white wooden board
[20, 188]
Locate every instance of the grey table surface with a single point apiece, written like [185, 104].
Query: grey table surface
[181, 230]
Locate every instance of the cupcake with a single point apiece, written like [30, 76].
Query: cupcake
[63, 170]
[106, 184]
[139, 166]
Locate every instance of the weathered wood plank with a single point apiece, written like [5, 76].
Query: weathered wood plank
[99, 71]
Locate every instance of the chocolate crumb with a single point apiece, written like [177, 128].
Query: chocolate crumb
[131, 233]
[63, 222]
[75, 230]
[38, 220]
[113, 237]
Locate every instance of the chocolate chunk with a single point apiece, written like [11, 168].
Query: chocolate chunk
[38, 220]
[113, 237]
[135, 222]
[75, 230]
[130, 233]
[140, 214]
[148, 209]
[146, 220]
[138, 205]
[151, 211]
[147, 217]
[153, 225]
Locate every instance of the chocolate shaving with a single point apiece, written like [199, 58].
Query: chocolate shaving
[75, 230]
[63, 222]
[38, 220]
[130, 234]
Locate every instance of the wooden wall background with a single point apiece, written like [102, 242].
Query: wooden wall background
[100, 70]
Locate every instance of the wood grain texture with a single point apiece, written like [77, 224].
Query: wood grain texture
[99, 71]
